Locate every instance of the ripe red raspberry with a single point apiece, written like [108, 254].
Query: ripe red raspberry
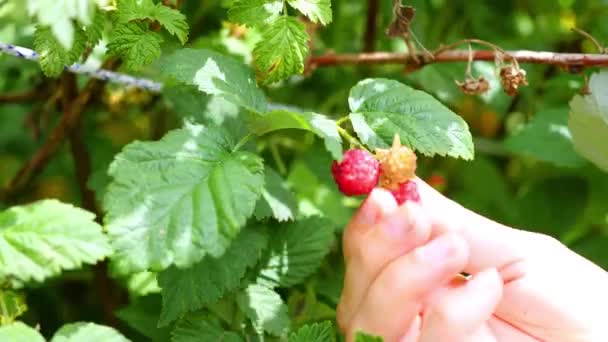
[407, 191]
[357, 174]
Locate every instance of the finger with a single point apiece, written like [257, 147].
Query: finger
[491, 244]
[459, 314]
[378, 204]
[395, 235]
[394, 299]
[507, 332]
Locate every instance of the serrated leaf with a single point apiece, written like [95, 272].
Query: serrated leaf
[320, 125]
[186, 290]
[546, 137]
[53, 56]
[277, 200]
[316, 332]
[135, 44]
[142, 315]
[588, 122]
[296, 251]
[19, 332]
[318, 11]
[264, 308]
[255, 12]
[191, 104]
[142, 283]
[363, 337]
[172, 20]
[198, 327]
[94, 31]
[41, 239]
[281, 51]
[59, 16]
[173, 201]
[86, 332]
[215, 74]
[12, 305]
[422, 122]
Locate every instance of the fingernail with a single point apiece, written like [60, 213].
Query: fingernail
[373, 207]
[440, 249]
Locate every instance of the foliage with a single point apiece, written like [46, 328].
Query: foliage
[208, 211]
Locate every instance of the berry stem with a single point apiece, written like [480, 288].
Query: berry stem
[242, 142]
[276, 155]
[348, 137]
[342, 120]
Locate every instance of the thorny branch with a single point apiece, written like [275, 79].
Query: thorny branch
[569, 61]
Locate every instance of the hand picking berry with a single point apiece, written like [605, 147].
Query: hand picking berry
[397, 164]
[407, 191]
[357, 173]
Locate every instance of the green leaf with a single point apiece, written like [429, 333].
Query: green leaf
[59, 16]
[277, 200]
[588, 122]
[315, 10]
[188, 102]
[305, 307]
[593, 248]
[319, 124]
[19, 332]
[363, 337]
[281, 51]
[176, 200]
[135, 44]
[547, 137]
[53, 56]
[172, 20]
[196, 327]
[94, 31]
[142, 283]
[552, 206]
[316, 332]
[41, 239]
[186, 290]
[215, 74]
[264, 308]
[85, 332]
[296, 251]
[422, 122]
[142, 315]
[255, 12]
[12, 305]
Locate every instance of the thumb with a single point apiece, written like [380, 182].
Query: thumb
[492, 245]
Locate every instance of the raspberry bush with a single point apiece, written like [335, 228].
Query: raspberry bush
[210, 205]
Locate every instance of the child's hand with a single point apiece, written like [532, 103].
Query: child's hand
[402, 278]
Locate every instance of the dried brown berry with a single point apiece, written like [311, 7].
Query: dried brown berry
[397, 165]
[472, 86]
[511, 77]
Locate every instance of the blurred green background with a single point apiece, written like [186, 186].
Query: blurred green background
[526, 172]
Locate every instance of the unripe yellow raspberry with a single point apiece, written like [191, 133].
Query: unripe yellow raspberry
[397, 164]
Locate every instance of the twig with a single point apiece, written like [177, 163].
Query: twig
[522, 56]
[22, 97]
[39, 160]
[585, 34]
[369, 37]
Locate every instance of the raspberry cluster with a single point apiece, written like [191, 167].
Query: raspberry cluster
[360, 172]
